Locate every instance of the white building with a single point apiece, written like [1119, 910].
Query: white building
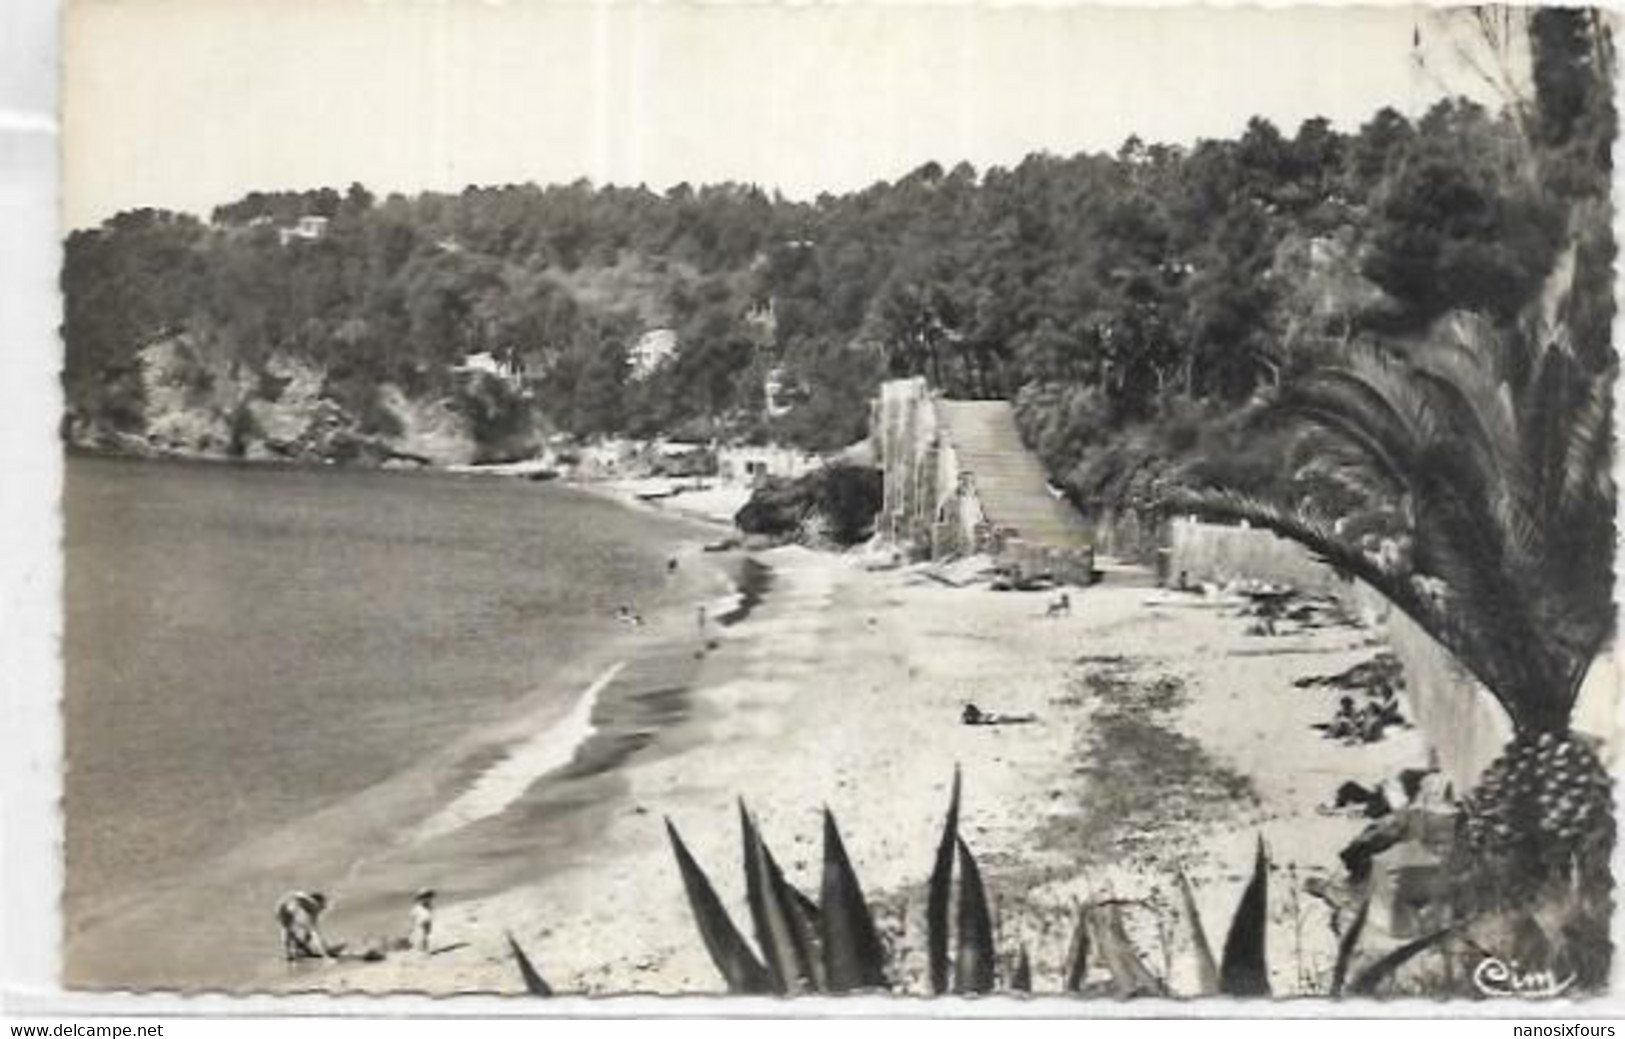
[747, 464]
[308, 228]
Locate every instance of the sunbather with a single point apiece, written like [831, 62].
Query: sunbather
[973, 715]
[1387, 706]
[1345, 724]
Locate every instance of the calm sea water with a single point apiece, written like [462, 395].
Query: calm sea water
[245, 645]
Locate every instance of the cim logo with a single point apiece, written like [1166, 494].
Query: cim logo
[1499, 979]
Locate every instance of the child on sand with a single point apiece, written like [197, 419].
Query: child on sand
[298, 914]
[422, 919]
[1346, 723]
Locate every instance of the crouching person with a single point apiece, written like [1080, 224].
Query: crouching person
[299, 915]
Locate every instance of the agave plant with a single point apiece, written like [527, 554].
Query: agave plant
[833, 946]
[1496, 448]
[1365, 981]
[535, 984]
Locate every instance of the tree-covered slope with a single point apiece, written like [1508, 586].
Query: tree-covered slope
[1133, 305]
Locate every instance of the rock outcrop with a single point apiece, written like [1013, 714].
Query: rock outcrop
[834, 506]
[185, 405]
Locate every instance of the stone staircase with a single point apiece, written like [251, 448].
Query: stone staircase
[1010, 480]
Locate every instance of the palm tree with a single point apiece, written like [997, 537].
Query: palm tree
[1495, 447]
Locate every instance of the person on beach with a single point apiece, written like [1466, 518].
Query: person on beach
[1346, 723]
[974, 715]
[422, 919]
[700, 616]
[627, 616]
[1387, 706]
[299, 914]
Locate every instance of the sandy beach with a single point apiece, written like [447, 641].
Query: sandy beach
[1165, 736]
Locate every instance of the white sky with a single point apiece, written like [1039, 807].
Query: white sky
[188, 103]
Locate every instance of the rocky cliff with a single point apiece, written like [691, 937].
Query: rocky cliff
[180, 403]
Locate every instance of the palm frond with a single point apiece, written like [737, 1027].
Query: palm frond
[1588, 458]
[1461, 371]
[1494, 445]
[1483, 656]
[1365, 404]
[1347, 559]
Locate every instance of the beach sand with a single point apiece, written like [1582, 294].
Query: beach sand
[1165, 736]
[710, 502]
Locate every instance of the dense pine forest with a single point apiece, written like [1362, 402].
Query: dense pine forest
[1138, 306]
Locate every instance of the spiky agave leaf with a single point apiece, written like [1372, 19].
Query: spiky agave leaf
[1346, 946]
[740, 968]
[853, 955]
[1130, 976]
[1207, 972]
[808, 909]
[1365, 983]
[1077, 955]
[1244, 970]
[973, 961]
[534, 983]
[939, 895]
[782, 931]
[1022, 978]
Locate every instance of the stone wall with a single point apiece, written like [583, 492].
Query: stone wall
[1219, 553]
[958, 524]
[931, 504]
[904, 424]
[1069, 565]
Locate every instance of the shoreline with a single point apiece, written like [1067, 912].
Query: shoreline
[714, 505]
[364, 845]
[1165, 738]
[844, 687]
[498, 787]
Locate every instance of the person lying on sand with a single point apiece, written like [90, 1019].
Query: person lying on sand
[1408, 788]
[627, 616]
[299, 914]
[973, 715]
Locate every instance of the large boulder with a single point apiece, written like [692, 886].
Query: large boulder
[833, 505]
